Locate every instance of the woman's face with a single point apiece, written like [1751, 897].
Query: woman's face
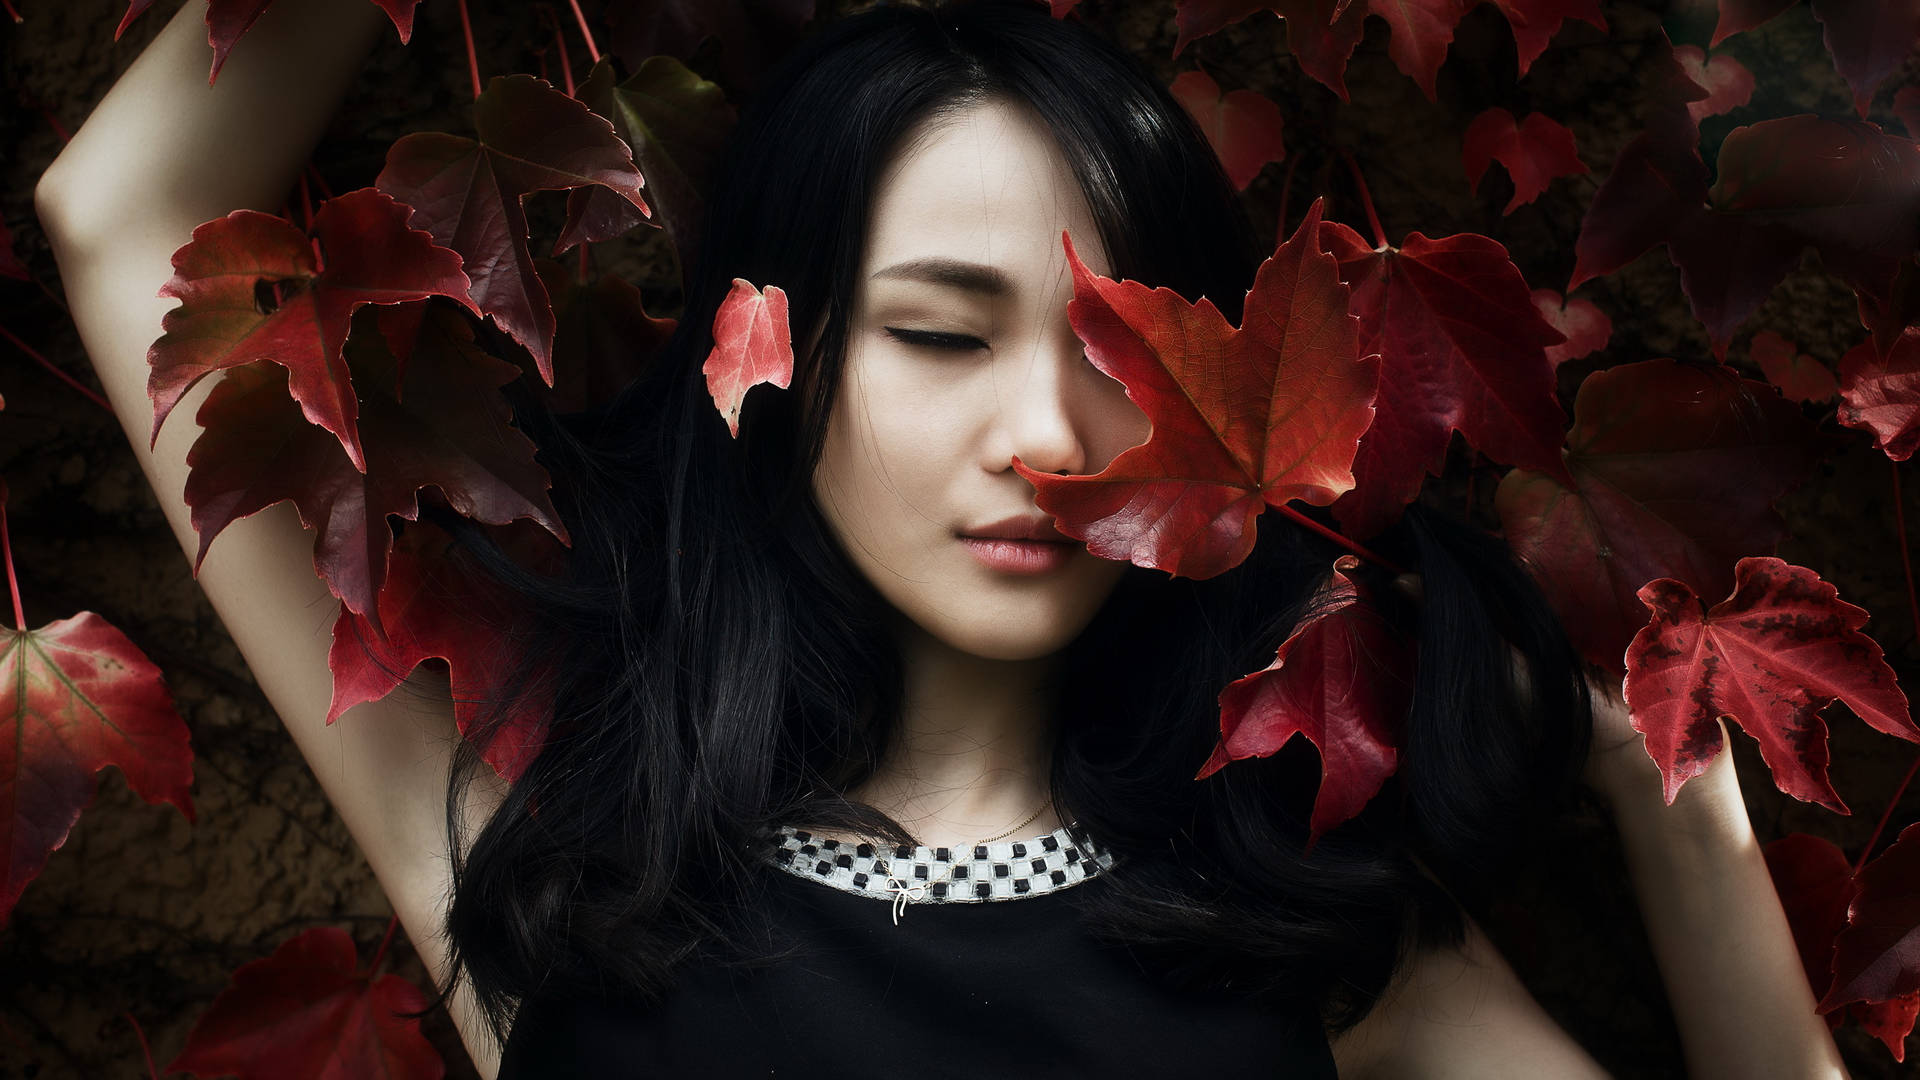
[960, 358]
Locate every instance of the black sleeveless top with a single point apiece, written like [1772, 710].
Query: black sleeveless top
[983, 969]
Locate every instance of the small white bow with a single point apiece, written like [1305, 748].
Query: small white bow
[903, 891]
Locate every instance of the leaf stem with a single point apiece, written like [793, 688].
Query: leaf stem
[379, 954]
[9, 6]
[566, 66]
[1302, 519]
[145, 1050]
[593, 51]
[1366, 200]
[6, 552]
[319, 182]
[48, 364]
[473, 61]
[1913, 609]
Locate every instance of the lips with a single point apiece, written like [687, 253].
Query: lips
[1023, 544]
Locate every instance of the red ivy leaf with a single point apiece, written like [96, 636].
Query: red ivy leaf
[305, 1013]
[468, 193]
[228, 19]
[1877, 957]
[80, 697]
[752, 344]
[432, 607]
[1534, 22]
[1321, 34]
[1889, 1021]
[1243, 127]
[1800, 377]
[1675, 469]
[1814, 882]
[370, 257]
[448, 429]
[1242, 418]
[1728, 83]
[1535, 151]
[1586, 328]
[1868, 41]
[603, 338]
[1739, 16]
[1770, 656]
[1343, 680]
[1462, 348]
[1882, 395]
[135, 9]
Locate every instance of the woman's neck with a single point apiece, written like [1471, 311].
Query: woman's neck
[972, 754]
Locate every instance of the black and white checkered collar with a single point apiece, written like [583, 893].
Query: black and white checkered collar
[1003, 870]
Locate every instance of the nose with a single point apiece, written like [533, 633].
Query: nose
[1043, 416]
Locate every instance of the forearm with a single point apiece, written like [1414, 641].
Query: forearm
[1726, 955]
[163, 148]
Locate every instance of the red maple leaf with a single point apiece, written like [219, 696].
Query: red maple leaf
[1321, 34]
[1876, 958]
[468, 193]
[1242, 418]
[1882, 395]
[1800, 377]
[441, 422]
[80, 697]
[1242, 126]
[1586, 328]
[603, 338]
[1462, 348]
[1726, 80]
[365, 254]
[752, 344]
[306, 1013]
[228, 19]
[1770, 656]
[432, 606]
[1816, 885]
[1675, 469]
[1535, 151]
[677, 123]
[1343, 680]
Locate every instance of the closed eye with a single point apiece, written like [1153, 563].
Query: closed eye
[935, 340]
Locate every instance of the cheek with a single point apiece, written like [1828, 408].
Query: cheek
[880, 472]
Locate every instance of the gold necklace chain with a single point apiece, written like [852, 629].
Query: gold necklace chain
[904, 890]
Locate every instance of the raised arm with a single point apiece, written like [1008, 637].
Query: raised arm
[160, 154]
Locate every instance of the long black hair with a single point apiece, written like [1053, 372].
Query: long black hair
[719, 666]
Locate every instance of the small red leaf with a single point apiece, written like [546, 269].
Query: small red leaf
[1800, 377]
[1343, 680]
[80, 696]
[1882, 395]
[1586, 328]
[305, 1013]
[1535, 151]
[1243, 127]
[1728, 83]
[1770, 657]
[1242, 418]
[752, 344]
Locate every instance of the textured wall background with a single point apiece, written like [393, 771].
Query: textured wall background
[142, 914]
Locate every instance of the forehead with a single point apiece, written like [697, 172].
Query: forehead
[985, 184]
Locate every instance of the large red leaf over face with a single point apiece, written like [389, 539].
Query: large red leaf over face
[305, 1013]
[79, 697]
[1242, 418]
[752, 344]
[1343, 680]
[1771, 656]
[371, 257]
[444, 423]
[1462, 348]
[1883, 396]
[1675, 469]
[467, 193]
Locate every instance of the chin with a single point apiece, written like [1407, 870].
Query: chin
[1012, 636]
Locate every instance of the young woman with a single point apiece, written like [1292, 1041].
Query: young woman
[858, 767]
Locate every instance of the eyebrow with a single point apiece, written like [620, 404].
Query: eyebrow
[953, 273]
